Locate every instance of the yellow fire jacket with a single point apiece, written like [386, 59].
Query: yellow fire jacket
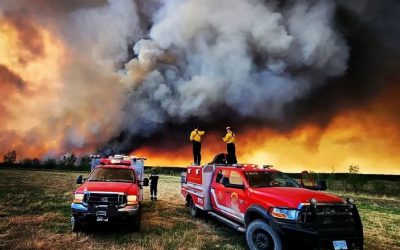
[195, 135]
[229, 137]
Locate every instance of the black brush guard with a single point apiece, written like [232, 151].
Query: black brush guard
[319, 225]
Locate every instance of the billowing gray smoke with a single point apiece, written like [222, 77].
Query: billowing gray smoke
[137, 68]
[250, 57]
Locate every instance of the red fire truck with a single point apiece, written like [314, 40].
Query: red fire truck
[272, 209]
[111, 194]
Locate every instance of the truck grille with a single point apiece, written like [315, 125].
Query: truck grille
[332, 222]
[109, 199]
[328, 215]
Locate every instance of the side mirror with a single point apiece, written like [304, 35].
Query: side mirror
[307, 181]
[322, 185]
[145, 182]
[79, 180]
[183, 178]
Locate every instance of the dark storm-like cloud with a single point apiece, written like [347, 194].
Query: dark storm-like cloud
[159, 67]
[323, 58]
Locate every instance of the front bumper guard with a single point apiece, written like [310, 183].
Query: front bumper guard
[81, 210]
[317, 234]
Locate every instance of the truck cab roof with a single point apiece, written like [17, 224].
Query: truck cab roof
[114, 166]
[113, 161]
[249, 167]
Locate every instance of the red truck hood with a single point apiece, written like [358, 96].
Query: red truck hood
[292, 197]
[120, 187]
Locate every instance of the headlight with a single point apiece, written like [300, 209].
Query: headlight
[78, 198]
[283, 213]
[314, 201]
[132, 199]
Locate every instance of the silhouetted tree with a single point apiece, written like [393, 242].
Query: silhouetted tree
[10, 157]
[50, 163]
[69, 160]
[27, 162]
[354, 169]
[85, 162]
[36, 163]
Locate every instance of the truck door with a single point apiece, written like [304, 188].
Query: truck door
[228, 194]
[217, 189]
[235, 196]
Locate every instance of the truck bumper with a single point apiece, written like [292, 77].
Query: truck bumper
[317, 238]
[89, 214]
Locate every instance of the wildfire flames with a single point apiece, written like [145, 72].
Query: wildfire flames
[135, 76]
[367, 137]
[25, 104]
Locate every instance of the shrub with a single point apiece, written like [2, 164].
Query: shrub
[379, 187]
[355, 180]
[50, 163]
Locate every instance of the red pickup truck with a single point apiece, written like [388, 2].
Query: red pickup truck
[111, 194]
[274, 210]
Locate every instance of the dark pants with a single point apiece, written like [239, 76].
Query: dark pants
[153, 192]
[196, 152]
[231, 157]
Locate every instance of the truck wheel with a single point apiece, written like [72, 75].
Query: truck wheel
[135, 222]
[76, 225]
[194, 211]
[259, 235]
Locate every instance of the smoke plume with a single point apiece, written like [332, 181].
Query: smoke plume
[67, 56]
[246, 57]
[115, 75]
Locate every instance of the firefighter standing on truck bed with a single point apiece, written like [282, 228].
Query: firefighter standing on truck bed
[230, 146]
[195, 138]
[153, 185]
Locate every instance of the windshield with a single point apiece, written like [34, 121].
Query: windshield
[268, 179]
[112, 175]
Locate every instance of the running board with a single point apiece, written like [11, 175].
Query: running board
[228, 222]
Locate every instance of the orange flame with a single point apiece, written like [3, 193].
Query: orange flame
[367, 137]
[25, 109]
[34, 119]
[33, 114]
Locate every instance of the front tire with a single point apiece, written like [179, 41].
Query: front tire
[76, 225]
[260, 236]
[135, 221]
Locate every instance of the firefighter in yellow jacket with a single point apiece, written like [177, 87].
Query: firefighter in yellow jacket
[195, 138]
[230, 146]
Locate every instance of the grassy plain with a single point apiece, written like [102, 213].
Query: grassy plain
[35, 214]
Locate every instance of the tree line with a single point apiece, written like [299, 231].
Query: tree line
[352, 181]
[67, 162]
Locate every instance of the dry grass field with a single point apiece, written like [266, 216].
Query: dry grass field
[35, 214]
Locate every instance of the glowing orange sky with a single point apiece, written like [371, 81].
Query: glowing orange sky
[367, 137]
[39, 115]
[26, 108]
[46, 109]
